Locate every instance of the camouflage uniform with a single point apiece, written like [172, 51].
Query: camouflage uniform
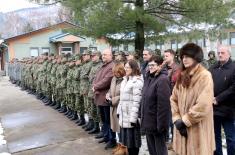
[84, 80]
[92, 109]
[53, 79]
[213, 60]
[76, 83]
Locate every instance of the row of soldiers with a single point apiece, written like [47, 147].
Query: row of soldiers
[63, 82]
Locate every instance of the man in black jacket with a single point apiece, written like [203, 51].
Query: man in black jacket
[223, 74]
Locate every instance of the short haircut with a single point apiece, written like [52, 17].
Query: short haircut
[135, 67]
[157, 59]
[118, 69]
[151, 52]
[171, 51]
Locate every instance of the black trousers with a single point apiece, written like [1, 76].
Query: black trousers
[157, 144]
[104, 112]
[133, 151]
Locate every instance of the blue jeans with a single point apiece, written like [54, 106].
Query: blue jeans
[229, 129]
[104, 112]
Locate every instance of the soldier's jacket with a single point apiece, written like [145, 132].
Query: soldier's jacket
[48, 72]
[53, 74]
[76, 79]
[211, 62]
[69, 79]
[84, 77]
[95, 67]
[44, 71]
[61, 81]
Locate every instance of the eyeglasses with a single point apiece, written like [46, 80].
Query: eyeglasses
[152, 65]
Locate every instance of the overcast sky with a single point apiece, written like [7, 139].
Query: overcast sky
[11, 5]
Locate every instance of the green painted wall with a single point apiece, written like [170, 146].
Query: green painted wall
[38, 41]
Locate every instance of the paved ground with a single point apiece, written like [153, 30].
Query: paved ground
[30, 128]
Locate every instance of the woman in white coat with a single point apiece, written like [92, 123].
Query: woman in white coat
[128, 108]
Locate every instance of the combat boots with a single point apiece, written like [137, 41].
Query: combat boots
[57, 105]
[91, 126]
[71, 115]
[45, 100]
[87, 124]
[96, 128]
[53, 103]
[62, 109]
[68, 112]
[49, 102]
[82, 120]
[75, 116]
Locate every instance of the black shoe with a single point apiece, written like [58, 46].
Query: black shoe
[100, 135]
[110, 144]
[103, 140]
[82, 120]
[53, 104]
[96, 129]
[71, 115]
[57, 106]
[86, 125]
[78, 121]
[48, 103]
[45, 100]
[42, 97]
[67, 112]
[63, 109]
[91, 126]
[75, 116]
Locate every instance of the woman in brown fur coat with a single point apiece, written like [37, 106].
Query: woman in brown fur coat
[191, 105]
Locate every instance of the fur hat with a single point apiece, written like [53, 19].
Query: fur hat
[192, 50]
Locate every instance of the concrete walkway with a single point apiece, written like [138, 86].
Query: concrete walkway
[30, 128]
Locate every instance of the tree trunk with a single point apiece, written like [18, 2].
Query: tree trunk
[139, 34]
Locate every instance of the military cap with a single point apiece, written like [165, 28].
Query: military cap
[71, 58]
[211, 52]
[95, 52]
[117, 53]
[45, 54]
[64, 59]
[86, 52]
[129, 52]
[77, 57]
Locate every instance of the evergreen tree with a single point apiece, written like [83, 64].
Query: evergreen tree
[137, 20]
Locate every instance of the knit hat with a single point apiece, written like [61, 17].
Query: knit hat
[192, 50]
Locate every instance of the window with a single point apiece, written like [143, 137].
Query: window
[159, 45]
[233, 53]
[125, 47]
[232, 38]
[34, 52]
[46, 50]
[66, 50]
[173, 44]
[224, 41]
[82, 49]
[200, 42]
[204, 42]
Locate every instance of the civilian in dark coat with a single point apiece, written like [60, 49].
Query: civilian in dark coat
[155, 107]
[101, 85]
[147, 54]
[223, 74]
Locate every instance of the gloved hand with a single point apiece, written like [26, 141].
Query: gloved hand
[179, 124]
[133, 124]
[109, 102]
[183, 132]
